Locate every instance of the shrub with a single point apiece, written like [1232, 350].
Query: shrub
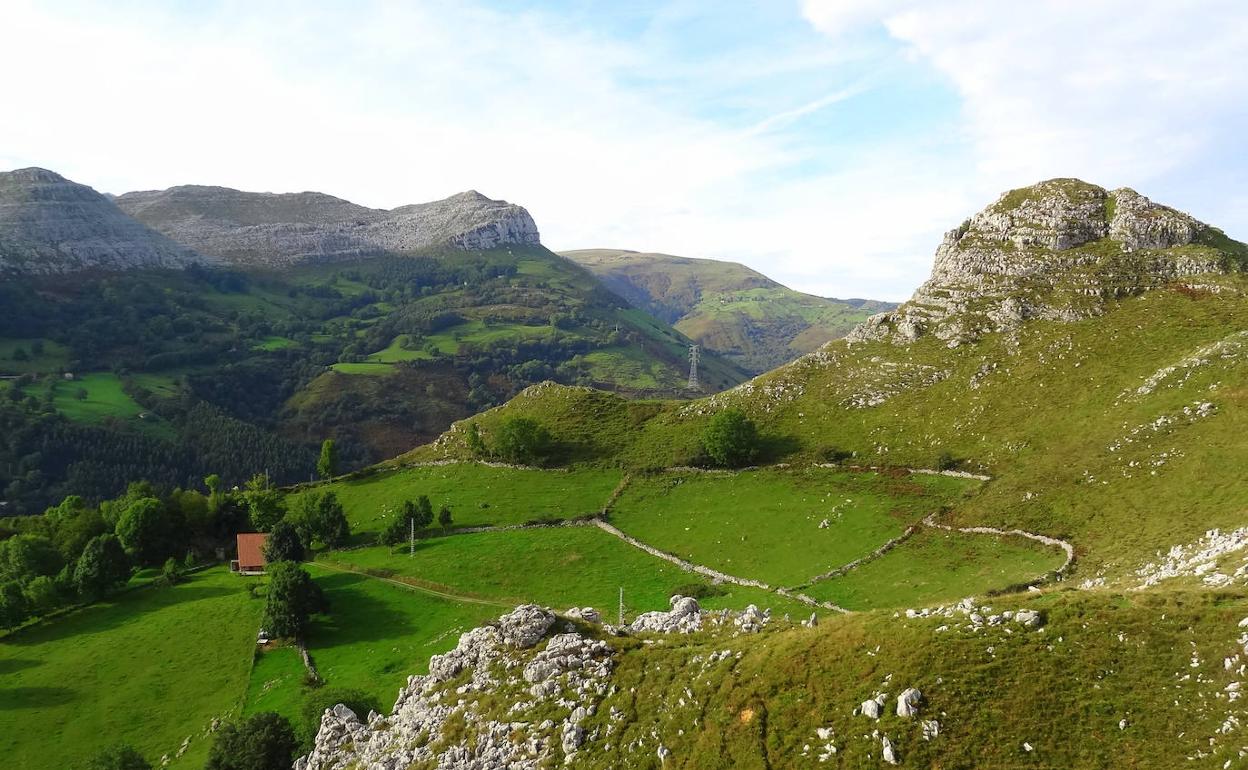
[262, 741]
[523, 440]
[731, 439]
[699, 591]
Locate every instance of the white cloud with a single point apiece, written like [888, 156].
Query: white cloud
[1119, 92]
[626, 142]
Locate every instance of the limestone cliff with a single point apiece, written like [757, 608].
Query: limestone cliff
[1055, 250]
[266, 229]
[50, 225]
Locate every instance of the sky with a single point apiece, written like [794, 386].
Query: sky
[826, 143]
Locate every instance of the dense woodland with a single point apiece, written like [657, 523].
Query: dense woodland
[232, 373]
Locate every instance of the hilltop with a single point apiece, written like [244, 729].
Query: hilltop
[50, 225]
[726, 307]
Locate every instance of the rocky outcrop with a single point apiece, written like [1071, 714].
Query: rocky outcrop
[50, 225]
[268, 229]
[1058, 250]
[520, 693]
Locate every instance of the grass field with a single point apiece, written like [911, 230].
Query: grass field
[369, 369]
[105, 397]
[275, 343]
[509, 495]
[561, 567]
[764, 524]
[148, 668]
[936, 566]
[55, 357]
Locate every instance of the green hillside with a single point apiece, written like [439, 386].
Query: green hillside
[727, 308]
[204, 370]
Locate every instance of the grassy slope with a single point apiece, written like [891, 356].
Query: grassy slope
[1040, 410]
[724, 306]
[148, 668]
[1101, 659]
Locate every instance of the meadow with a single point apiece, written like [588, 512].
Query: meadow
[936, 567]
[765, 524]
[148, 667]
[560, 566]
[477, 494]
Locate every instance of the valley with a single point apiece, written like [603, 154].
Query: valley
[1018, 495]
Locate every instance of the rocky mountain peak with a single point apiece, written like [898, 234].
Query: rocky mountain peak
[49, 225]
[1008, 262]
[272, 229]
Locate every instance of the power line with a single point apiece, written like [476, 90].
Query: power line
[693, 367]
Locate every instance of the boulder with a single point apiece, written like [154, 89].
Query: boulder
[1029, 618]
[908, 702]
[526, 625]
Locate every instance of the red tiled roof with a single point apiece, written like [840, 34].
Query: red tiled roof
[251, 549]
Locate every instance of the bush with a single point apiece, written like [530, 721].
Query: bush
[523, 440]
[699, 591]
[262, 741]
[171, 573]
[731, 439]
[945, 461]
[315, 703]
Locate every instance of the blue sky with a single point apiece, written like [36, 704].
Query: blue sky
[827, 143]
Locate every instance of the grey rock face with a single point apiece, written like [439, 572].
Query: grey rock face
[50, 225]
[1058, 250]
[280, 229]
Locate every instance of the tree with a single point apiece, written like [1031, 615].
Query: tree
[23, 557]
[731, 439]
[42, 594]
[101, 567]
[444, 516]
[523, 440]
[13, 606]
[262, 741]
[146, 531]
[264, 503]
[284, 543]
[117, 758]
[293, 597]
[171, 573]
[476, 444]
[327, 465]
[21, 355]
[421, 512]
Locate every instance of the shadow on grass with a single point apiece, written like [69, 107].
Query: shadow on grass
[118, 610]
[15, 698]
[354, 615]
[13, 665]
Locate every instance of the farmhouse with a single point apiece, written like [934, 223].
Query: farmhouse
[250, 559]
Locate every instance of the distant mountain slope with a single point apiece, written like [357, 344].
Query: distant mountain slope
[330, 322]
[267, 229]
[727, 307]
[50, 225]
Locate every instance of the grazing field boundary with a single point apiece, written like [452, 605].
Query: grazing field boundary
[416, 588]
[1054, 542]
[715, 575]
[877, 553]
